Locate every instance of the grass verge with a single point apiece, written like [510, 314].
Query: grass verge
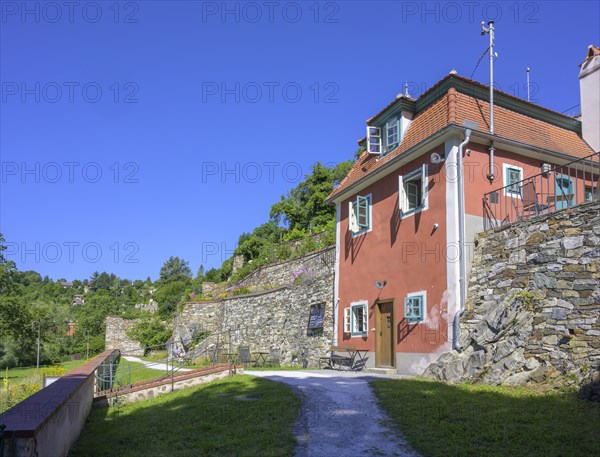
[17, 375]
[441, 420]
[239, 416]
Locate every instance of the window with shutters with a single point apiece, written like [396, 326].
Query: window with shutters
[412, 189]
[392, 134]
[359, 318]
[373, 140]
[347, 320]
[385, 137]
[360, 215]
[414, 307]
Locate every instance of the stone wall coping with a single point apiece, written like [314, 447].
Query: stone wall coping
[236, 297]
[27, 417]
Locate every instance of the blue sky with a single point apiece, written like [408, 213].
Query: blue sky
[133, 131]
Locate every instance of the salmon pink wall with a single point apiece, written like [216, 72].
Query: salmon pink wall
[477, 184]
[407, 252]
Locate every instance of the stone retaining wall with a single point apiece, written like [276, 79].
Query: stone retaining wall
[310, 265]
[533, 309]
[277, 317]
[116, 336]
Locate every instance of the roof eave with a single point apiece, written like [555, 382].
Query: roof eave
[405, 156]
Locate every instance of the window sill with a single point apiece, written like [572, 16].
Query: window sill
[414, 211]
[361, 232]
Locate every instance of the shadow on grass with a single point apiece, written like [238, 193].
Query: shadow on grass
[485, 421]
[239, 416]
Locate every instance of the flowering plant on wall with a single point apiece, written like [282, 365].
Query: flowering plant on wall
[301, 275]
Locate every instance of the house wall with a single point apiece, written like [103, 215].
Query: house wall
[413, 257]
[477, 184]
[407, 252]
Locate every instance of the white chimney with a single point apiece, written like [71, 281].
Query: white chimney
[589, 90]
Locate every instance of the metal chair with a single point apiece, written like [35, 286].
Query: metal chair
[244, 356]
[274, 356]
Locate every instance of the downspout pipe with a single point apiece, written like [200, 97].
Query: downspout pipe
[461, 243]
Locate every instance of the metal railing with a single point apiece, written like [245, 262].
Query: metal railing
[555, 189]
[116, 374]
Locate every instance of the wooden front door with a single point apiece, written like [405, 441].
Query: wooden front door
[384, 328]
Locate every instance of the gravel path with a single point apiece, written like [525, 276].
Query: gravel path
[339, 415]
[154, 365]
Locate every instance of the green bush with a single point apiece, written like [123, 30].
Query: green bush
[308, 245]
[16, 393]
[150, 332]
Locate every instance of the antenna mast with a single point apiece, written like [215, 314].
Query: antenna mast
[528, 86]
[490, 31]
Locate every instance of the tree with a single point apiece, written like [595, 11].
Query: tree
[150, 331]
[213, 275]
[200, 274]
[303, 208]
[7, 269]
[169, 296]
[175, 269]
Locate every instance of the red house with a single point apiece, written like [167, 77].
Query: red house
[435, 171]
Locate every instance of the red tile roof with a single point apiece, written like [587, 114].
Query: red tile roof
[453, 108]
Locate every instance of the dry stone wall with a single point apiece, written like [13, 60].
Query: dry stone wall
[275, 318]
[534, 303]
[279, 274]
[116, 336]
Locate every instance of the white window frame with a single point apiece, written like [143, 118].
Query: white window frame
[355, 305]
[423, 294]
[374, 133]
[588, 193]
[353, 219]
[347, 320]
[393, 123]
[505, 175]
[403, 198]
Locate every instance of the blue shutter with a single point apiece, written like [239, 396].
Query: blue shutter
[413, 308]
[362, 212]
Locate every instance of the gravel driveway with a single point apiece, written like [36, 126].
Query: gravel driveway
[339, 415]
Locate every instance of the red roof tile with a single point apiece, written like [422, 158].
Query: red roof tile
[453, 108]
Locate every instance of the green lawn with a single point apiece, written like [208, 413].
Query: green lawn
[239, 416]
[441, 420]
[17, 375]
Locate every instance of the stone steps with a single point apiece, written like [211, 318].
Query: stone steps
[381, 370]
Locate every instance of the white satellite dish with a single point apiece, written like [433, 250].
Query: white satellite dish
[436, 158]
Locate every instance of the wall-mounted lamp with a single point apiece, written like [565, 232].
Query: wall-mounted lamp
[380, 284]
[436, 158]
[546, 167]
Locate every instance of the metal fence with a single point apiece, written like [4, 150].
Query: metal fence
[217, 347]
[553, 189]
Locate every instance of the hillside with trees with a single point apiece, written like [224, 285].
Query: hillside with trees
[27, 298]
